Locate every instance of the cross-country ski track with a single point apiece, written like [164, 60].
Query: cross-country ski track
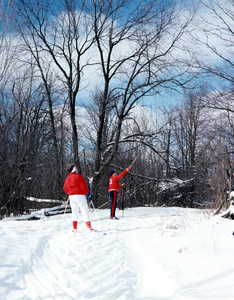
[150, 253]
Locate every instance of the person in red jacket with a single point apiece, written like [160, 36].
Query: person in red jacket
[113, 190]
[75, 186]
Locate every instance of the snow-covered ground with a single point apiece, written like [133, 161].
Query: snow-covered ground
[150, 253]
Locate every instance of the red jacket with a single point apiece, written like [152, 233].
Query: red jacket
[75, 184]
[114, 181]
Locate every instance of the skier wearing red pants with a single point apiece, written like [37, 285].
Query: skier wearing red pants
[113, 190]
[76, 187]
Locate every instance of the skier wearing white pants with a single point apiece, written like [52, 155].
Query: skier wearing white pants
[79, 201]
[76, 187]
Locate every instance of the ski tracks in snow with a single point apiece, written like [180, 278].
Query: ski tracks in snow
[55, 264]
[59, 265]
[95, 265]
[154, 281]
[149, 254]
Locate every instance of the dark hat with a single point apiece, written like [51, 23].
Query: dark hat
[112, 172]
[70, 167]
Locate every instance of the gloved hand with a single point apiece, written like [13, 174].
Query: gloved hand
[123, 184]
[89, 196]
[128, 168]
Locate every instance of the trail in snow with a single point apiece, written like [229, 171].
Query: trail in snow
[151, 253]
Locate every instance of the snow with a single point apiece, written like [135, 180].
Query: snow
[150, 253]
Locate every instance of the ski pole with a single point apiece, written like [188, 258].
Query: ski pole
[95, 210]
[123, 208]
[66, 206]
[134, 160]
[104, 204]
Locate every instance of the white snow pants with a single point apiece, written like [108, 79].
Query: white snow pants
[79, 201]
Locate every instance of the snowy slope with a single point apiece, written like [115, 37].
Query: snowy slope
[150, 253]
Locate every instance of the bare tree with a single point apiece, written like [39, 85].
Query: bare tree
[216, 40]
[32, 54]
[22, 139]
[136, 57]
[8, 43]
[63, 32]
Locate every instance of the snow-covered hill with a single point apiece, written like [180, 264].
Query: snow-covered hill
[150, 253]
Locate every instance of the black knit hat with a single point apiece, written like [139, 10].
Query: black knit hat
[112, 172]
[70, 168]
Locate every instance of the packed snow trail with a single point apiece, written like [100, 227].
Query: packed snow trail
[59, 265]
[150, 254]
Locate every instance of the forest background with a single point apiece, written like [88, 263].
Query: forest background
[99, 82]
